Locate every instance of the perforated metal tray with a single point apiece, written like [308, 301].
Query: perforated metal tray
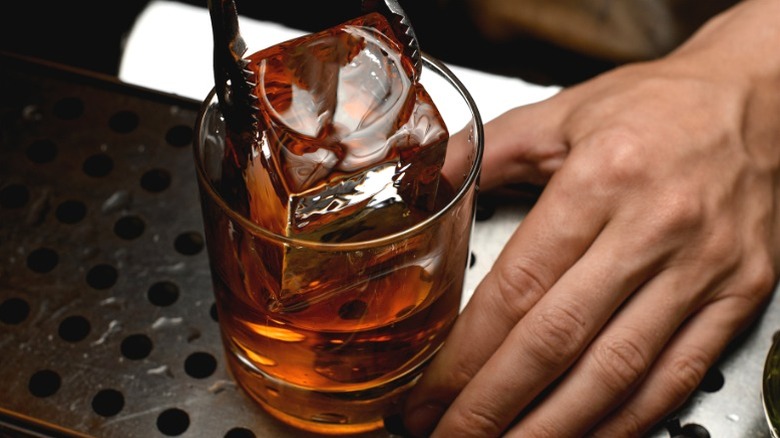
[107, 320]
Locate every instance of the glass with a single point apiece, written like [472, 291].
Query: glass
[339, 360]
[771, 387]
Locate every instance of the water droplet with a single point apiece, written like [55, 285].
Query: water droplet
[221, 385]
[117, 201]
[32, 113]
[163, 322]
[160, 371]
[113, 327]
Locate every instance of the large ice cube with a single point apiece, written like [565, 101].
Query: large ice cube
[346, 129]
[349, 148]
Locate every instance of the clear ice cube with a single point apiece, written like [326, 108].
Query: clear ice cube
[345, 127]
[349, 146]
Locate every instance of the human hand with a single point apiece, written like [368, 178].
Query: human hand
[654, 242]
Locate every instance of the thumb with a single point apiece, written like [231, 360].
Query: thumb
[524, 145]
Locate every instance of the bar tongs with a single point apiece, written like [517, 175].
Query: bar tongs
[234, 83]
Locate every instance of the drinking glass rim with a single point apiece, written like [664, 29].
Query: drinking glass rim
[428, 61]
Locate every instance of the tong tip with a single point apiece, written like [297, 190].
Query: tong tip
[401, 26]
[233, 79]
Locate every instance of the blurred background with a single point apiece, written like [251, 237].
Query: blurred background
[89, 34]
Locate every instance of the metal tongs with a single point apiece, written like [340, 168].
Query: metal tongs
[234, 83]
[402, 28]
[232, 80]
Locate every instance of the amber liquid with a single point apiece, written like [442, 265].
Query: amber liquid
[341, 361]
[329, 339]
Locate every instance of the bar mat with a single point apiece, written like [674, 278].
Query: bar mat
[107, 319]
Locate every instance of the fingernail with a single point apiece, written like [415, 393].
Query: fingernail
[421, 421]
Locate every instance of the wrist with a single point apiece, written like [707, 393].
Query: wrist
[740, 44]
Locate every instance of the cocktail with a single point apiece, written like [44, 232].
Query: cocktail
[338, 224]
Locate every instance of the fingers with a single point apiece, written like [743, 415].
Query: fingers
[557, 232]
[618, 358]
[550, 337]
[680, 368]
[633, 346]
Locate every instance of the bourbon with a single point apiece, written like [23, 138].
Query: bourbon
[339, 271]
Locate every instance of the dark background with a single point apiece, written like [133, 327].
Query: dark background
[89, 34]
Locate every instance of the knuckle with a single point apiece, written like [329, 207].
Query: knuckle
[625, 163]
[762, 277]
[722, 249]
[556, 334]
[755, 285]
[624, 423]
[479, 420]
[685, 372]
[459, 376]
[520, 286]
[622, 157]
[631, 424]
[682, 213]
[620, 363]
[544, 428]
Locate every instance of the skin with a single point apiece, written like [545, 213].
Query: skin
[654, 243]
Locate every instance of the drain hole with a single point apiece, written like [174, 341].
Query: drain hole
[189, 243]
[156, 180]
[693, 430]
[163, 293]
[108, 402]
[179, 136]
[44, 383]
[129, 227]
[472, 260]
[71, 212]
[68, 108]
[200, 365]
[173, 422]
[14, 311]
[712, 381]
[42, 260]
[14, 196]
[213, 312]
[98, 165]
[42, 151]
[136, 347]
[240, 432]
[74, 328]
[102, 276]
[123, 122]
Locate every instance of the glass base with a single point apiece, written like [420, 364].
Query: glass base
[330, 413]
[324, 427]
